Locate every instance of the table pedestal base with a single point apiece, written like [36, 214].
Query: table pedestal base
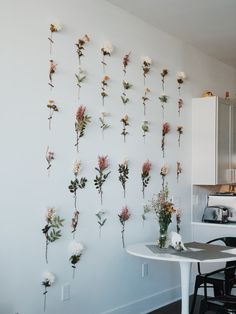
[185, 268]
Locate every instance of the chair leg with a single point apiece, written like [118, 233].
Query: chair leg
[203, 307]
[197, 285]
[218, 290]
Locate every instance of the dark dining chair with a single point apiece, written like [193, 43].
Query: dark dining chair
[221, 280]
[222, 304]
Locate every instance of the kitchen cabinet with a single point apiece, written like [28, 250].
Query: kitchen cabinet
[213, 141]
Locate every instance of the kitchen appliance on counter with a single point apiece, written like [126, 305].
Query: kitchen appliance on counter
[221, 208]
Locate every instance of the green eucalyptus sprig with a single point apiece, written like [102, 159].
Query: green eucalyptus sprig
[100, 220]
[52, 229]
[80, 46]
[145, 99]
[80, 77]
[145, 128]
[123, 169]
[125, 122]
[103, 125]
[104, 86]
[77, 183]
[126, 86]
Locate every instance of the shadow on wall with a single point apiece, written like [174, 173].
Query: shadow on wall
[6, 309]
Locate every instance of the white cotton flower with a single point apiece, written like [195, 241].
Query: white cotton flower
[48, 277]
[163, 95]
[76, 248]
[147, 59]
[164, 170]
[181, 75]
[107, 47]
[50, 213]
[76, 167]
[58, 26]
[105, 114]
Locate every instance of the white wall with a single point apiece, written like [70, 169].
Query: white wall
[106, 277]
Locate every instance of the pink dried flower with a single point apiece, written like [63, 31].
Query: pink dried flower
[102, 176]
[50, 156]
[123, 216]
[165, 128]
[74, 221]
[103, 162]
[50, 213]
[80, 113]
[82, 119]
[126, 61]
[52, 70]
[146, 167]
[145, 175]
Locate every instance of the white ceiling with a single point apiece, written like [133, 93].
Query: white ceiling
[209, 25]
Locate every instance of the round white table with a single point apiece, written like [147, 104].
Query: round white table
[211, 254]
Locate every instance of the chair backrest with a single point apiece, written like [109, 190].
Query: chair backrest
[228, 241]
[229, 273]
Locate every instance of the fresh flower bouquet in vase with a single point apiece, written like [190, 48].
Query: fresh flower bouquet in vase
[163, 209]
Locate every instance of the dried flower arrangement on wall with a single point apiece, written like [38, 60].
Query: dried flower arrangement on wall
[101, 220]
[50, 156]
[123, 217]
[52, 229]
[48, 280]
[106, 50]
[76, 250]
[81, 121]
[165, 131]
[125, 122]
[145, 175]
[181, 77]
[123, 169]
[104, 126]
[100, 179]
[146, 66]
[54, 28]
[77, 183]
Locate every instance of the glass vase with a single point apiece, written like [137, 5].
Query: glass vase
[163, 237]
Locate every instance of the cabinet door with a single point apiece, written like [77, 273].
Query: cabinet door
[233, 142]
[224, 172]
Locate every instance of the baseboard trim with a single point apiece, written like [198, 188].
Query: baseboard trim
[148, 303]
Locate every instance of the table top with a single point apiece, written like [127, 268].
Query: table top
[196, 252]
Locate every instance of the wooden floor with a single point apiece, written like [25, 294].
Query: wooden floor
[175, 308]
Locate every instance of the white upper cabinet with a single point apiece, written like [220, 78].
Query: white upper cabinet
[213, 141]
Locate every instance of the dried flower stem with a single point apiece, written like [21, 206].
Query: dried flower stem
[46, 250]
[45, 299]
[103, 64]
[51, 42]
[163, 182]
[122, 236]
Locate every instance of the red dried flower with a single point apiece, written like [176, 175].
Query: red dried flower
[103, 162]
[165, 128]
[80, 113]
[124, 215]
[146, 167]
